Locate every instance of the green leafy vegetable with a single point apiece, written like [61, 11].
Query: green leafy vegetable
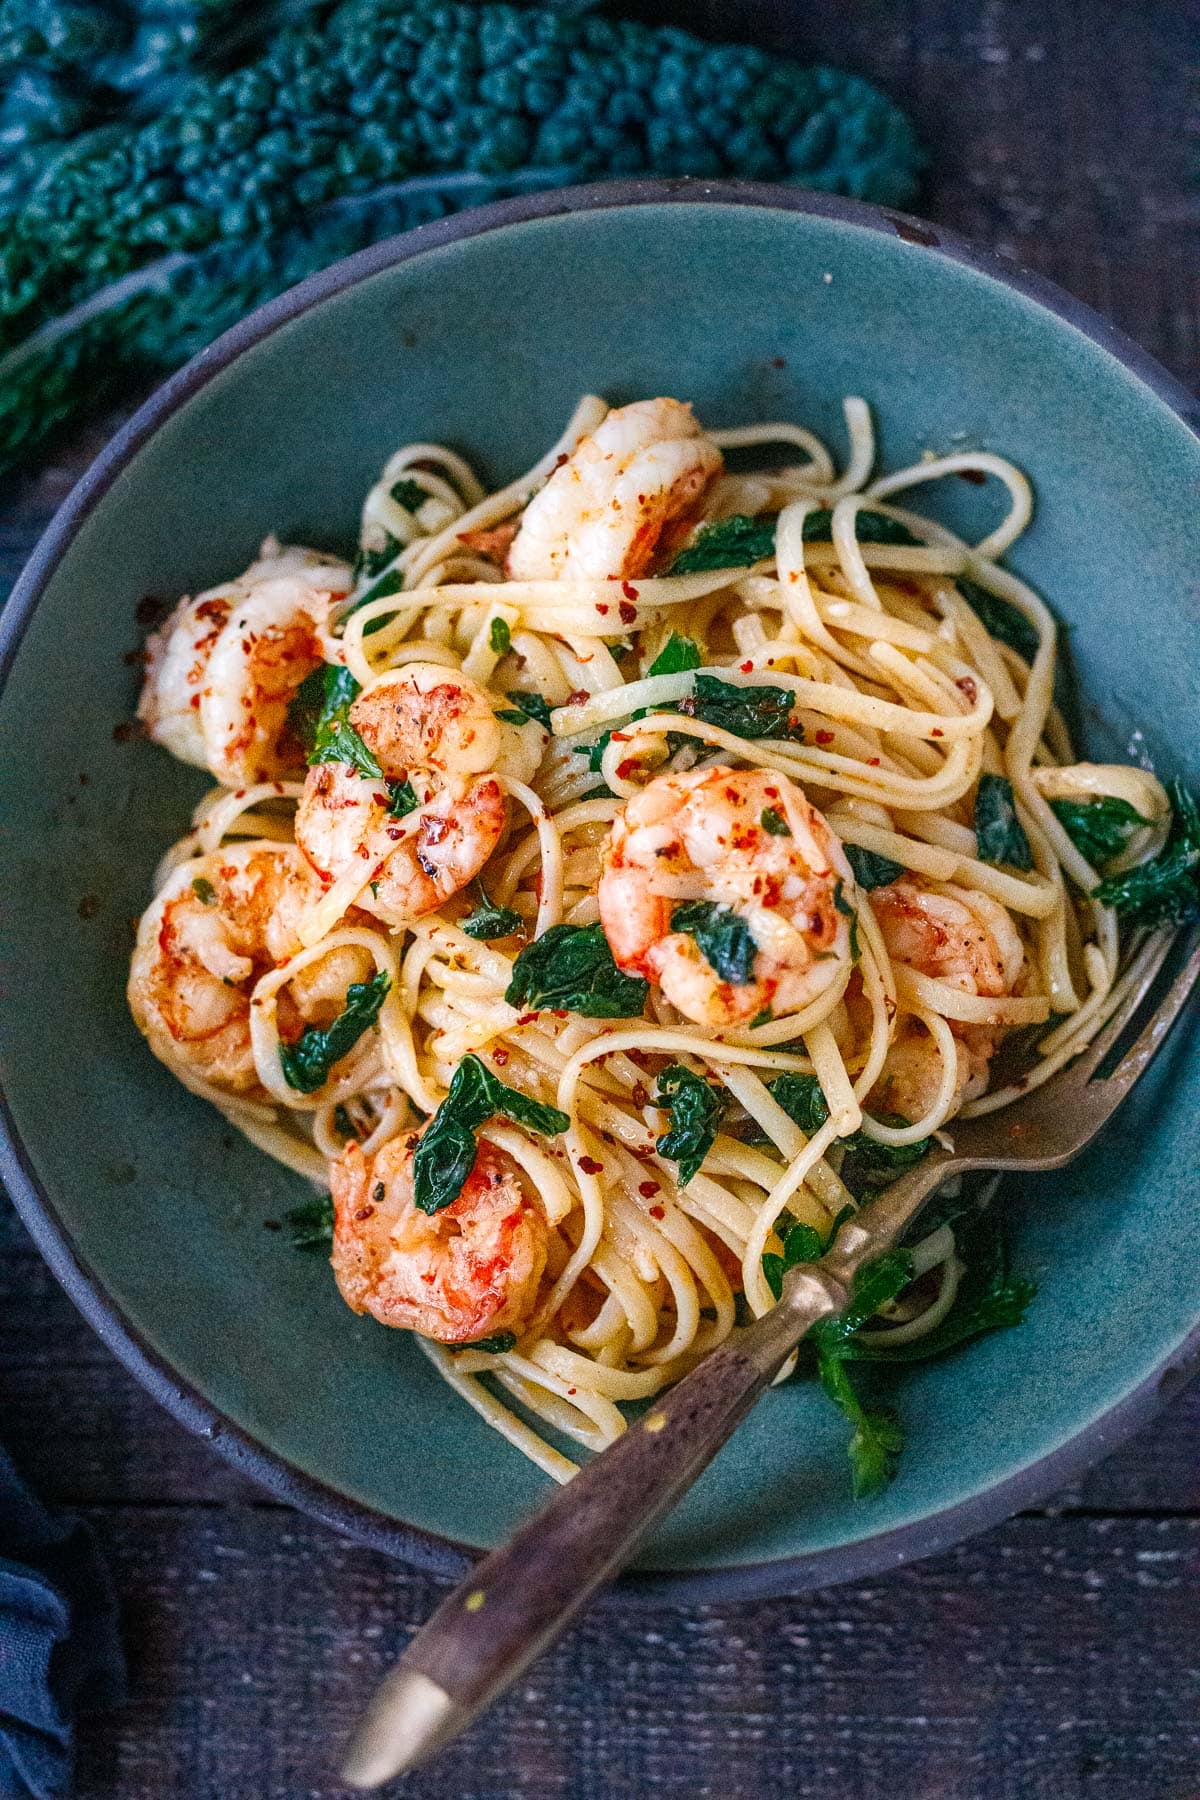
[383, 589]
[499, 636]
[307, 1062]
[403, 799]
[773, 821]
[677, 655]
[759, 711]
[446, 1150]
[869, 1165]
[409, 493]
[343, 1124]
[310, 1225]
[319, 716]
[736, 542]
[731, 543]
[842, 905]
[801, 1244]
[496, 1345]
[801, 1099]
[1166, 890]
[866, 1164]
[764, 1016]
[870, 869]
[372, 562]
[527, 706]
[998, 831]
[722, 935]
[877, 1439]
[570, 968]
[695, 1106]
[204, 891]
[1099, 829]
[1001, 619]
[489, 920]
[869, 528]
[989, 1296]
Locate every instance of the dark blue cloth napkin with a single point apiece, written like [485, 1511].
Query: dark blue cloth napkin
[60, 1652]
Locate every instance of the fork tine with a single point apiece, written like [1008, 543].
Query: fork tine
[1153, 1035]
[1151, 957]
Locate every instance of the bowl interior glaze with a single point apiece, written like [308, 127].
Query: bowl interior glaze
[482, 335]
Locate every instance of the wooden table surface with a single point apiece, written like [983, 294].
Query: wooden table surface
[1055, 1658]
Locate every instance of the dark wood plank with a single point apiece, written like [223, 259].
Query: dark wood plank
[255, 1637]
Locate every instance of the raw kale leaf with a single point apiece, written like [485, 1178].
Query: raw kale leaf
[1165, 891]
[1099, 829]
[722, 935]
[571, 968]
[307, 1062]
[676, 655]
[695, 1106]
[489, 920]
[1000, 619]
[750, 712]
[310, 1225]
[998, 830]
[446, 1150]
[870, 869]
[319, 715]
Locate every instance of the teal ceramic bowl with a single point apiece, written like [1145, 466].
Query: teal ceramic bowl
[754, 303]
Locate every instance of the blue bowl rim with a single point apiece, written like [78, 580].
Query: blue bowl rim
[867, 1556]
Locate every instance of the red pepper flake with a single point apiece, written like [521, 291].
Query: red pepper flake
[572, 1390]
[627, 613]
[936, 732]
[578, 697]
[560, 1012]
[648, 1189]
[629, 591]
[590, 1166]
[779, 362]
[657, 1212]
[872, 762]
[625, 769]
[395, 832]
[747, 668]
[968, 687]
[638, 1095]
[824, 737]
[500, 1057]
[975, 476]
[527, 1018]
[602, 608]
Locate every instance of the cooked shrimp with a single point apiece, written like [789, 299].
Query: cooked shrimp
[220, 673]
[966, 940]
[701, 835]
[622, 500]
[436, 729]
[463, 1273]
[220, 922]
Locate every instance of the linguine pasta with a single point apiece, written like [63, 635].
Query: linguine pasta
[910, 768]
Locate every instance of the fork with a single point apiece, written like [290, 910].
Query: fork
[519, 1599]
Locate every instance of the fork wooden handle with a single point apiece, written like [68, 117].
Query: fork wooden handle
[518, 1600]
